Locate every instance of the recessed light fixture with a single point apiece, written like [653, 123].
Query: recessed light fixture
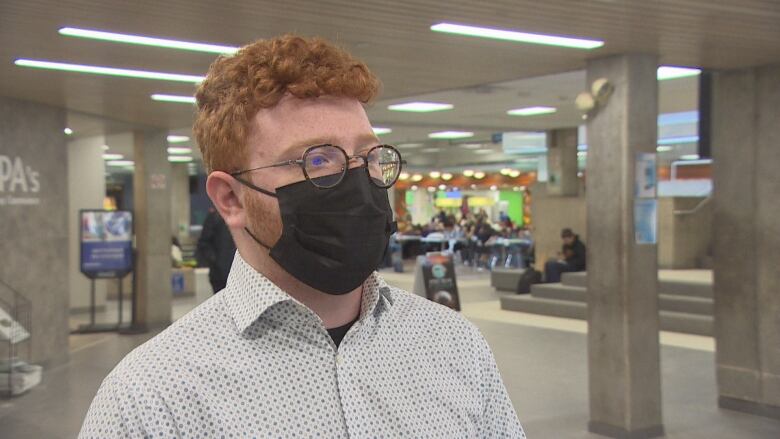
[664, 148]
[479, 175]
[179, 150]
[177, 139]
[174, 98]
[520, 37]
[120, 163]
[531, 111]
[403, 176]
[179, 158]
[515, 173]
[146, 41]
[446, 176]
[451, 135]
[434, 174]
[670, 72]
[442, 187]
[468, 173]
[420, 107]
[113, 156]
[380, 131]
[417, 177]
[67, 131]
[414, 187]
[431, 189]
[505, 171]
[110, 71]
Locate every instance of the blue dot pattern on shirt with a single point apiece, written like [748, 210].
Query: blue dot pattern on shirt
[252, 362]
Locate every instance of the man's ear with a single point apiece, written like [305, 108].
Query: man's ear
[224, 193]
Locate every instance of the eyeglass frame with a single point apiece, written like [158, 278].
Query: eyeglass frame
[301, 162]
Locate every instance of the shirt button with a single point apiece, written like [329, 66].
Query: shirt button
[339, 359]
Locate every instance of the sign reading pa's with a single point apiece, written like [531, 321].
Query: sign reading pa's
[106, 243]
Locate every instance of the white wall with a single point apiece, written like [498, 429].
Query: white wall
[86, 190]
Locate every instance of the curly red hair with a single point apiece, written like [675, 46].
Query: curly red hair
[258, 76]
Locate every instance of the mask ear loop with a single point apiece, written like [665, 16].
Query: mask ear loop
[246, 229]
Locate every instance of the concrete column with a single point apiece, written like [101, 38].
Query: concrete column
[746, 251]
[85, 159]
[180, 200]
[152, 205]
[34, 226]
[562, 162]
[623, 350]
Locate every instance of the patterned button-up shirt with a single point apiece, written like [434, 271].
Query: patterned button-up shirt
[252, 362]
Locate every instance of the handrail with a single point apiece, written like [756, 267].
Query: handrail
[695, 209]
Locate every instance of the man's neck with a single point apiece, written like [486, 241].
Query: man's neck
[333, 310]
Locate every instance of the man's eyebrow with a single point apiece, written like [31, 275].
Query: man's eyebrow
[295, 150]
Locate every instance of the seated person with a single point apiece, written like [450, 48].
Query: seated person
[572, 258]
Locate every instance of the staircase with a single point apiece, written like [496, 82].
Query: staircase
[685, 302]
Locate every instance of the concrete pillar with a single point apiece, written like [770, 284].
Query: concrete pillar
[85, 159]
[34, 226]
[152, 209]
[180, 200]
[623, 349]
[562, 177]
[746, 234]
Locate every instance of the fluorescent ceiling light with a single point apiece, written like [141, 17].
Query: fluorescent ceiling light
[177, 139]
[179, 150]
[430, 150]
[174, 98]
[110, 71]
[669, 72]
[531, 111]
[67, 131]
[664, 148]
[113, 156]
[689, 157]
[146, 41]
[520, 37]
[471, 145]
[380, 131]
[420, 107]
[451, 135]
[120, 163]
[179, 158]
[484, 151]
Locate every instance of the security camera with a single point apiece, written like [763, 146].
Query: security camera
[601, 89]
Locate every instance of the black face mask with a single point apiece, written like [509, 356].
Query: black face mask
[332, 239]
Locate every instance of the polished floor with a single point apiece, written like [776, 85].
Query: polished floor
[543, 361]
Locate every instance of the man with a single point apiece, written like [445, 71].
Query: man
[216, 250]
[306, 340]
[572, 258]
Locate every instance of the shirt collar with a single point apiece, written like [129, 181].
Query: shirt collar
[249, 294]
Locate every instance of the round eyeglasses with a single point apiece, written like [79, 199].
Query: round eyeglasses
[325, 165]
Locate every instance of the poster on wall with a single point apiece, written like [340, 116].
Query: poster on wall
[646, 175]
[645, 221]
[435, 279]
[106, 243]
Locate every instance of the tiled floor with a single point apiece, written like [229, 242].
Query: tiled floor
[542, 359]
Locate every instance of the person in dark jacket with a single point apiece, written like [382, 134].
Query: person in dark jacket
[216, 250]
[572, 258]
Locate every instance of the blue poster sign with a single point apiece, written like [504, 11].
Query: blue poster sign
[106, 243]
